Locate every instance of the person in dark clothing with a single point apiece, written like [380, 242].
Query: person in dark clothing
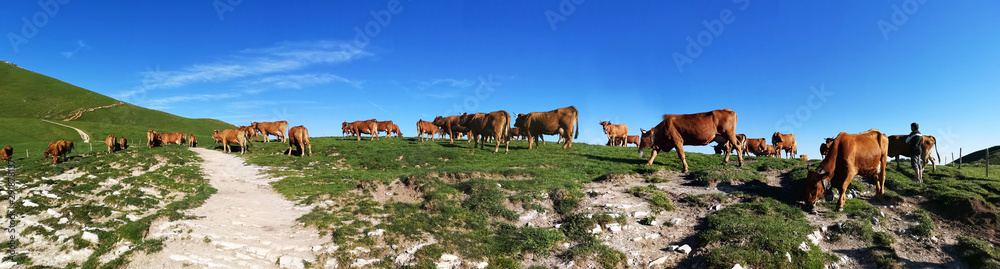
[916, 142]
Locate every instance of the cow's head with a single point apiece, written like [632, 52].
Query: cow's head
[645, 141]
[817, 182]
[519, 120]
[254, 124]
[824, 148]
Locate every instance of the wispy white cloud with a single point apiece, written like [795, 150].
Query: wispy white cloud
[285, 57]
[79, 45]
[460, 83]
[299, 81]
[164, 103]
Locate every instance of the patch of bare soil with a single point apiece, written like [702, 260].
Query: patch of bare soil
[245, 225]
[396, 191]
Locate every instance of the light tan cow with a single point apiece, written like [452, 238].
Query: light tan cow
[615, 132]
[298, 137]
[112, 143]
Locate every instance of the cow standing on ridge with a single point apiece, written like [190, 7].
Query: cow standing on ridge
[676, 131]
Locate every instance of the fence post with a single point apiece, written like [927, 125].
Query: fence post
[953, 157]
[987, 162]
[959, 158]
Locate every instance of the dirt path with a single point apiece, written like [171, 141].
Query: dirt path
[245, 225]
[83, 135]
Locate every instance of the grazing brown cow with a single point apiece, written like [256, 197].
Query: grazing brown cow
[676, 131]
[173, 138]
[495, 124]
[346, 129]
[275, 128]
[632, 139]
[804, 158]
[615, 131]
[251, 132]
[365, 127]
[55, 149]
[395, 130]
[385, 126]
[6, 153]
[449, 125]
[426, 127]
[122, 143]
[112, 143]
[67, 147]
[850, 154]
[192, 141]
[767, 150]
[755, 146]
[151, 138]
[785, 142]
[298, 137]
[231, 136]
[726, 147]
[561, 121]
[898, 146]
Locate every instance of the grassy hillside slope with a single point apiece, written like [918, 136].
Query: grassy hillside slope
[29, 97]
[27, 94]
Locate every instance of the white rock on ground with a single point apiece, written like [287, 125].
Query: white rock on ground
[92, 237]
[377, 232]
[676, 221]
[737, 266]
[684, 249]
[659, 261]
[290, 262]
[672, 248]
[331, 264]
[448, 261]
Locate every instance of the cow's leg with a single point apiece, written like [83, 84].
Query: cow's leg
[845, 178]
[680, 153]
[652, 157]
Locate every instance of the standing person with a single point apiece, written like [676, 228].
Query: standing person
[916, 142]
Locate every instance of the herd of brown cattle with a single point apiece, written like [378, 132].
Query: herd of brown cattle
[844, 156]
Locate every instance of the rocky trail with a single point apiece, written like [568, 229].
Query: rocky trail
[245, 225]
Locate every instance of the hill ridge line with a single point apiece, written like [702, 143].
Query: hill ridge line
[83, 135]
[79, 113]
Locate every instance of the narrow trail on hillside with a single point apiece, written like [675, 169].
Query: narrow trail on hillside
[83, 135]
[245, 225]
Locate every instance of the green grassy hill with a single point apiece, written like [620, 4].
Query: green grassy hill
[30, 97]
[979, 156]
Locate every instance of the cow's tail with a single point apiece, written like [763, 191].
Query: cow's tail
[576, 125]
[938, 154]
[506, 128]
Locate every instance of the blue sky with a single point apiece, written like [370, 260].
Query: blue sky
[830, 66]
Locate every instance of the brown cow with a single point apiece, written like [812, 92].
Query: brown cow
[173, 138]
[767, 150]
[251, 132]
[675, 131]
[365, 127]
[755, 146]
[395, 130]
[231, 136]
[561, 121]
[192, 141]
[122, 143]
[386, 126]
[741, 139]
[112, 143]
[298, 137]
[426, 127]
[55, 149]
[632, 139]
[6, 153]
[898, 146]
[785, 142]
[151, 138]
[346, 129]
[67, 147]
[495, 124]
[449, 125]
[850, 154]
[615, 131]
[275, 128]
